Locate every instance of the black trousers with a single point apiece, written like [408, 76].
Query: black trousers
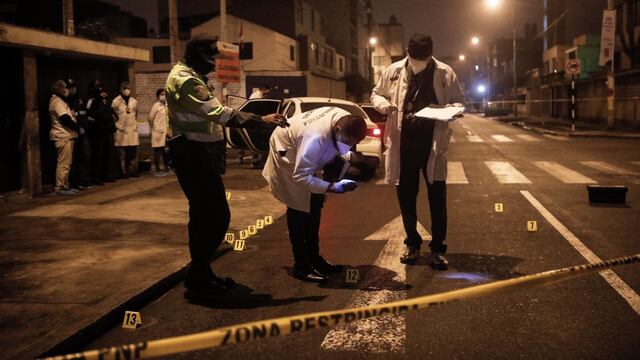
[304, 232]
[198, 170]
[101, 154]
[81, 166]
[413, 162]
[159, 153]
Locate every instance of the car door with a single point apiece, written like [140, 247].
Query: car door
[255, 137]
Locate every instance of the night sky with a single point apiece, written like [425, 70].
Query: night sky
[451, 23]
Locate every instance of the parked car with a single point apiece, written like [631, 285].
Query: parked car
[378, 118]
[257, 139]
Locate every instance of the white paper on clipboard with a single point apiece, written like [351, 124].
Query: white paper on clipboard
[442, 114]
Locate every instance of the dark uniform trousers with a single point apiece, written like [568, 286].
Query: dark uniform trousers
[199, 166]
[304, 231]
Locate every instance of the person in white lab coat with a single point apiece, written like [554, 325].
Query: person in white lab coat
[261, 93]
[126, 137]
[316, 141]
[417, 145]
[159, 132]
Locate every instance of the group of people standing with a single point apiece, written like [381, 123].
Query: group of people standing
[97, 140]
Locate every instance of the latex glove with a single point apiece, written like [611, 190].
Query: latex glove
[343, 186]
[389, 109]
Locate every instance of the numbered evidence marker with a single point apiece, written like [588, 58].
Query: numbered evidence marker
[532, 226]
[252, 230]
[268, 220]
[499, 207]
[239, 245]
[353, 275]
[244, 234]
[228, 195]
[230, 238]
[260, 224]
[132, 320]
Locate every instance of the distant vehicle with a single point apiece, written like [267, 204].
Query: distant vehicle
[257, 139]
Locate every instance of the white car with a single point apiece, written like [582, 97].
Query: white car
[257, 139]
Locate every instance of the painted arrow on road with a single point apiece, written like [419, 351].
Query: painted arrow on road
[386, 283]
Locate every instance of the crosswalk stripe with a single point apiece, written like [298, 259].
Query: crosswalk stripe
[608, 168]
[474, 138]
[554, 137]
[501, 138]
[385, 283]
[636, 163]
[527, 137]
[455, 173]
[564, 174]
[453, 139]
[505, 173]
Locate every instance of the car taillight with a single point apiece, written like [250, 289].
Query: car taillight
[375, 132]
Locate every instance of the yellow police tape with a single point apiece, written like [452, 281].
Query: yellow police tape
[292, 324]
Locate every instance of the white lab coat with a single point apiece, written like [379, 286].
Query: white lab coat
[256, 95]
[127, 125]
[158, 124]
[298, 153]
[391, 89]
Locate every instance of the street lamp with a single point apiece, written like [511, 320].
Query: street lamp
[373, 41]
[494, 4]
[475, 41]
[461, 57]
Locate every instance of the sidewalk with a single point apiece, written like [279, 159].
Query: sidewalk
[72, 265]
[562, 127]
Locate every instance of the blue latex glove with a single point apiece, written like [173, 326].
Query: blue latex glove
[343, 186]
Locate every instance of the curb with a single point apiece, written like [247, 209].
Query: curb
[569, 134]
[83, 337]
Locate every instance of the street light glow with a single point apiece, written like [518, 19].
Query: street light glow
[461, 57]
[493, 4]
[475, 40]
[373, 40]
[481, 89]
[477, 67]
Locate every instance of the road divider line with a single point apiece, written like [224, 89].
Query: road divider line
[564, 174]
[300, 323]
[505, 173]
[612, 278]
[385, 283]
[455, 173]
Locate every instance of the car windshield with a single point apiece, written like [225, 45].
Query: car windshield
[352, 109]
[374, 115]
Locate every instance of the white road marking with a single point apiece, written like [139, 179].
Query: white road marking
[474, 138]
[608, 168]
[455, 173]
[505, 173]
[453, 139]
[554, 137]
[564, 174]
[611, 277]
[386, 283]
[527, 137]
[469, 133]
[501, 138]
[636, 163]
[380, 182]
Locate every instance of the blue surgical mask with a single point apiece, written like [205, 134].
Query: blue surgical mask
[343, 148]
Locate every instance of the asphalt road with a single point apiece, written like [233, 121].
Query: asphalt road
[586, 317]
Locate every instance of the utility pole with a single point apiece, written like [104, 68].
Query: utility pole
[223, 20]
[515, 73]
[67, 17]
[173, 31]
[611, 85]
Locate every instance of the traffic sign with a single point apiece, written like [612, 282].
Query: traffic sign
[573, 66]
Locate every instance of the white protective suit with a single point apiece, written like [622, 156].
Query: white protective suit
[127, 125]
[158, 124]
[298, 153]
[391, 90]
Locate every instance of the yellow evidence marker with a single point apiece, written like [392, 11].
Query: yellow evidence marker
[353, 275]
[244, 234]
[499, 207]
[532, 226]
[228, 195]
[230, 238]
[260, 224]
[252, 230]
[132, 320]
[239, 245]
[268, 220]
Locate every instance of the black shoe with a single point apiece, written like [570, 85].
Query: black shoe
[134, 175]
[410, 255]
[110, 180]
[123, 176]
[324, 267]
[438, 261]
[225, 282]
[308, 275]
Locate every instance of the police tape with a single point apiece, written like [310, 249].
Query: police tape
[299, 323]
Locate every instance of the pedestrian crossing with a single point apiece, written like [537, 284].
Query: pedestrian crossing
[472, 137]
[505, 172]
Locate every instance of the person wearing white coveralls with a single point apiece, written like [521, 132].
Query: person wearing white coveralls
[298, 154]
[158, 124]
[417, 145]
[126, 137]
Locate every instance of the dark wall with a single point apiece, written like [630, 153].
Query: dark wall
[83, 71]
[297, 85]
[11, 119]
[275, 15]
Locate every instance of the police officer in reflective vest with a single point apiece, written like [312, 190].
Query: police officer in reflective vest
[198, 152]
